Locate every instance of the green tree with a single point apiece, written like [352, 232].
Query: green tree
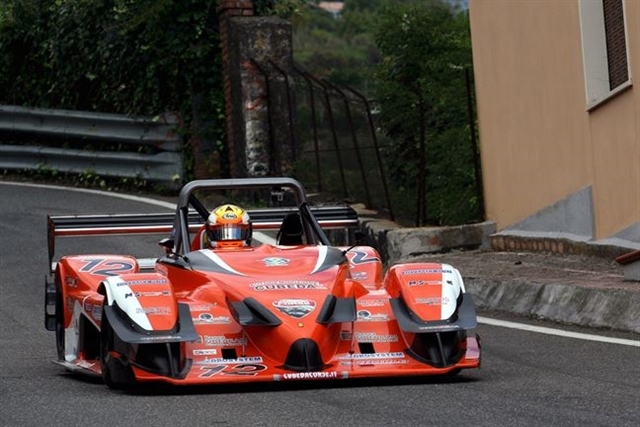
[341, 49]
[420, 87]
[139, 57]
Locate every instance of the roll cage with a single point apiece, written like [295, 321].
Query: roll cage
[190, 215]
[263, 218]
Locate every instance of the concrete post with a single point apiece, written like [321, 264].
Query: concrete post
[257, 58]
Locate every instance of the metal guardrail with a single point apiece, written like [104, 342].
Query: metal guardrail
[163, 163]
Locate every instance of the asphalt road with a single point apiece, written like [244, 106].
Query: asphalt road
[527, 379]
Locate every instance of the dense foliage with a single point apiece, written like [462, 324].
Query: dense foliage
[124, 56]
[413, 58]
[137, 57]
[144, 57]
[421, 87]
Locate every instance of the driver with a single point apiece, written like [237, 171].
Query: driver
[228, 226]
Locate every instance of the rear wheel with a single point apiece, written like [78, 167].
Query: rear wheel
[117, 373]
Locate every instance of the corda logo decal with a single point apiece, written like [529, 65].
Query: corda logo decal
[275, 262]
[278, 285]
[297, 308]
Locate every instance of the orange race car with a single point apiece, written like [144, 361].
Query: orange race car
[221, 307]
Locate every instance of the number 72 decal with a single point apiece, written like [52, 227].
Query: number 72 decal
[247, 369]
[107, 267]
[361, 257]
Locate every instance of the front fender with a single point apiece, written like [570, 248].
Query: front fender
[432, 291]
[142, 308]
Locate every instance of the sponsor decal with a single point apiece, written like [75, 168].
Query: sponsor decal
[371, 302]
[275, 261]
[367, 316]
[229, 215]
[202, 307]
[208, 318]
[359, 275]
[310, 376]
[143, 282]
[432, 300]
[277, 285]
[88, 306]
[436, 327]
[161, 338]
[205, 352]
[71, 282]
[375, 337]
[128, 295]
[426, 271]
[297, 308]
[396, 355]
[153, 294]
[221, 361]
[96, 313]
[376, 362]
[221, 341]
[424, 283]
[153, 310]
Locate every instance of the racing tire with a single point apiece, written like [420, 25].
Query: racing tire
[59, 320]
[117, 374]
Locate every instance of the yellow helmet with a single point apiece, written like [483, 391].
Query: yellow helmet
[229, 226]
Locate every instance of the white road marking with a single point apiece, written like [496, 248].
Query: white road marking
[146, 200]
[269, 240]
[558, 332]
[262, 237]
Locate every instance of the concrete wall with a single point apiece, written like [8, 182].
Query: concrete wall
[549, 165]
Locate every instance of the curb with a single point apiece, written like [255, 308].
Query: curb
[559, 303]
[617, 309]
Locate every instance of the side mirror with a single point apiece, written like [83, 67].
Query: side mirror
[167, 243]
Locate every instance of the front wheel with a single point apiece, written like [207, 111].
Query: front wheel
[117, 373]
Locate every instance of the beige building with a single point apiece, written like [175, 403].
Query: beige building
[559, 117]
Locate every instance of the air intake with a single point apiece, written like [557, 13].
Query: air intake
[304, 356]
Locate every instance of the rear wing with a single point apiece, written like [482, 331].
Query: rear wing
[328, 217]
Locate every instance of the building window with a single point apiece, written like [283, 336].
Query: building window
[604, 49]
[616, 43]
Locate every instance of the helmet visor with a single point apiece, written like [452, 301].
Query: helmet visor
[225, 232]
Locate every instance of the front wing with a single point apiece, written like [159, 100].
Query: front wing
[344, 365]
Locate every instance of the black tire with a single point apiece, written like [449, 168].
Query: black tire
[117, 373]
[59, 322]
